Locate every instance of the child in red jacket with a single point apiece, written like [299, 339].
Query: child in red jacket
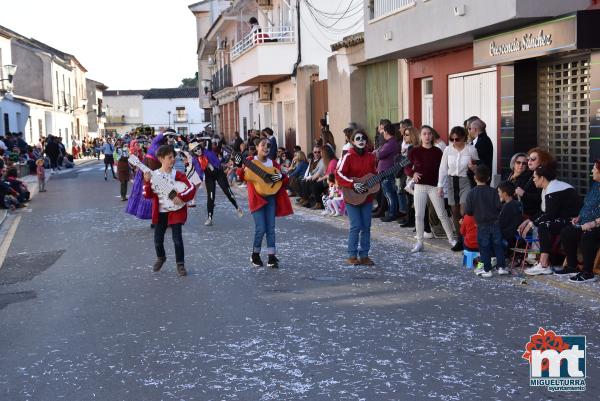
[161, 217]
[468, 230]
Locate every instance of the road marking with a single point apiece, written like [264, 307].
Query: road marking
[83, 170]
[8, 240]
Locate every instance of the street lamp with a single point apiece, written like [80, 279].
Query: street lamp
[169, 113]
[9, 70]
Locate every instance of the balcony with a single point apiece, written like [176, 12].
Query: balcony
[264, 56]
[115, 120]
[180, 118]
[382, 8]
[221, 79]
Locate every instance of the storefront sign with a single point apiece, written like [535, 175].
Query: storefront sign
[533, 41]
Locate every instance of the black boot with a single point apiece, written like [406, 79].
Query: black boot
[273, 262]
[459, 245]
[181, 269]
[158, 264]
[256, 260]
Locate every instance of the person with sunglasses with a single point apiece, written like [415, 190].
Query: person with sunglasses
[357, 163]
[457, 160]
[265, 209]
[526, 192]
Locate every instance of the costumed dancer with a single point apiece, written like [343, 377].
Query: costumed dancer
[357, 163]
[162, 216]
[265, 209]
[191, 169]
[209, 169]
[137, 205]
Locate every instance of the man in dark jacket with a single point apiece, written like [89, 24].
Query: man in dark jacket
[482, 142]
[53, 151]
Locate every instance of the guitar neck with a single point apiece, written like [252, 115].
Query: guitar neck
[387, 173]
[255, 169]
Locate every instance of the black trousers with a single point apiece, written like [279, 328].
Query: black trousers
[211, 178]
[588, 241]
[317, 189]
[123, 189]
[159, 238]
[547, 229]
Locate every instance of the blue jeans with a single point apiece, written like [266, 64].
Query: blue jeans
[489, 238]
[360, 227]
[389, 191]
[264, 224]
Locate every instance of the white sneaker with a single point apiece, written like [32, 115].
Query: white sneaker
[208, 222]
[427, 235]
[452, 243]
[503, 272]
[336, 215]
[537, 270]
[485, 274]
[479, 269]
[240, 212]
[324, 212]
[417, 248]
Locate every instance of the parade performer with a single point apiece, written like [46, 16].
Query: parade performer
[357, 163]
[162, 215]
[137, 205]
[209, 169]
[191, 169]
[259, 171]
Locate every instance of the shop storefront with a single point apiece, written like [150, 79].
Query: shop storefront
[549, 90]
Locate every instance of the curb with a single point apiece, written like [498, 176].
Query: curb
[392, 230]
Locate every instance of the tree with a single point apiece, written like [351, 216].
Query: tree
[190, 82]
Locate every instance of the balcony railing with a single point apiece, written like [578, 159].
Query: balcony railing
[221, 79]
[276, 34]
[380, 8]
[181, 118]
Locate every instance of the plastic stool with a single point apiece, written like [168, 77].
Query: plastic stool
[469, 258]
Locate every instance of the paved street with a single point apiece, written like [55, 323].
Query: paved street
[82, 316]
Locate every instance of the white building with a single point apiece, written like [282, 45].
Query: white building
[124, 110]
[50, 87]
[176, 108]
[274, 74]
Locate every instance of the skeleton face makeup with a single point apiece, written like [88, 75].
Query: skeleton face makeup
[360, 141]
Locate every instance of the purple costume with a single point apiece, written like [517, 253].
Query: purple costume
[137, 205]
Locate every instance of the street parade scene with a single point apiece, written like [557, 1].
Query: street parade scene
[300, 200]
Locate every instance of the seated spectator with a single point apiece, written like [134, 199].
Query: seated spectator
[319, 186]
[283, 160]
[468, 230]
[17, 185]
[333, 199]
[315, 170]
[560, 203]
[299, 166]
[521, 177]
[8, 196]
[584, 231]
[511, 214]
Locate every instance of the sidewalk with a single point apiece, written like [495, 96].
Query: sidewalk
[404, 237]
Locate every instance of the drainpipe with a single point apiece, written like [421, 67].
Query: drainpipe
[295, 71]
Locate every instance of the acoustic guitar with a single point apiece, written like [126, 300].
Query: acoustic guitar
[162, 184]
[372, 182]
[259, 175]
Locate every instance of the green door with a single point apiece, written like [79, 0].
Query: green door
[382, 94]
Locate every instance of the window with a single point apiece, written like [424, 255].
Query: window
[182, 131]
[40, 130]
[380, 8]
[180, 114]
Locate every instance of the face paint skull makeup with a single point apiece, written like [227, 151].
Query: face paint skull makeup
[360, 141]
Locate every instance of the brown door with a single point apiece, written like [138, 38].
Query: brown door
[318, 94]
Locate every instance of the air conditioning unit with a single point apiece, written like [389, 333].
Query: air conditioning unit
[264, 92]
[264, 3]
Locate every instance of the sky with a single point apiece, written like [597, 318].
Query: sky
[125, 44]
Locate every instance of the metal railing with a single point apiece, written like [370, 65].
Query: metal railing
[221, 79]
[181, 118]
[275, 34]
[383, 7]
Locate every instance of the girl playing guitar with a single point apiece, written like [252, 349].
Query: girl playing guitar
[265, 209]
[357, 163]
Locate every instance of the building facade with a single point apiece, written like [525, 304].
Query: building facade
[277, 67]
[500, 61]
[175, 108]
[96, 111]
[124, 110]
